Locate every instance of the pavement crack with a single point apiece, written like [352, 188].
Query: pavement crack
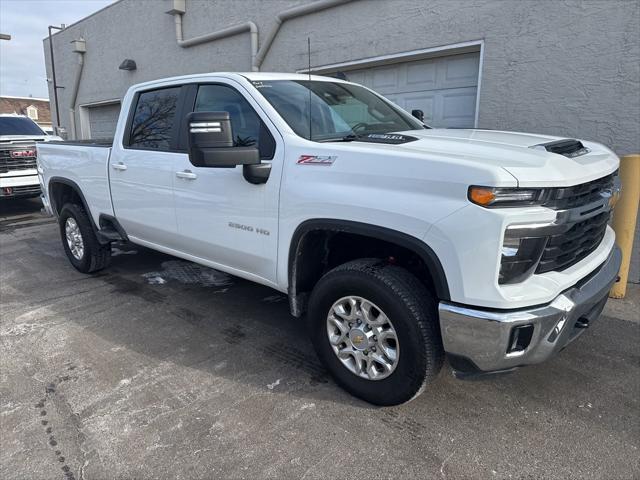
[316, 464]
[444, 462]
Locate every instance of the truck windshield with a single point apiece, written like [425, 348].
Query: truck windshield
[339, 111]
[19, 126]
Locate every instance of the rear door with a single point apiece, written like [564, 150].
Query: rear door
[221, 217]
[142, 167]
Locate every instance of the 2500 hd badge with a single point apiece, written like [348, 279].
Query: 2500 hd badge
[249, 228]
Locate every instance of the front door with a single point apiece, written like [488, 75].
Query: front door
[221, 217]
[142, 170]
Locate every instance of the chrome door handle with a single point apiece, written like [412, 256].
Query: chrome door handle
[119, 166]
[186, 174]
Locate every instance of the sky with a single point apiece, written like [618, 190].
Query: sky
[22, 71]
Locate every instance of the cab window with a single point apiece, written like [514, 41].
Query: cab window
[248, 128]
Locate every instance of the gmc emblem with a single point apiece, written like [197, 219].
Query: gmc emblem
[23, 153]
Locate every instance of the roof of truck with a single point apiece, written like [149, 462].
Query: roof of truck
[257, 76]
[251, 76]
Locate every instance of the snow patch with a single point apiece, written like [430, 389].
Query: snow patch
[20, 329]
[273, 385]
[154, 279]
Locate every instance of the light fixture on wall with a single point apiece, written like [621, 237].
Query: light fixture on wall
[128, 64]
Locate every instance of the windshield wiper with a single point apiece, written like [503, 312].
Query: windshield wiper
[350, 138]
[347, 138]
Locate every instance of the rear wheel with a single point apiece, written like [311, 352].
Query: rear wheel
[79, 240]
[375, 327]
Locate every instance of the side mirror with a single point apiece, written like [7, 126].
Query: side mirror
[210, 142]
[419, 114]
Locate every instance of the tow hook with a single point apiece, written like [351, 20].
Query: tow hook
[582, 323]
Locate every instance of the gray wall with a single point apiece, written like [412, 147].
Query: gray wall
[568, 68]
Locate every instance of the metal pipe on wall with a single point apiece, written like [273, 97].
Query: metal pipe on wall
[288, 14]
[225, 32]
[79, 47]
[257, 56]
[53, 76]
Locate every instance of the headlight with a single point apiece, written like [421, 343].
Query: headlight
[505, 197]
[520, 257]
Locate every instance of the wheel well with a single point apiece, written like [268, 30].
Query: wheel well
[61, 193]
[316, 251]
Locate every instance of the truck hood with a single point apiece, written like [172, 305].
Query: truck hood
[512, 151]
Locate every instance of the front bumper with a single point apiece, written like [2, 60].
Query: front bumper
[482, 340]
[46, 205]
[19, 183]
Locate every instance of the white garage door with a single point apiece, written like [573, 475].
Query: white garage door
[103, 120]
[444, 88]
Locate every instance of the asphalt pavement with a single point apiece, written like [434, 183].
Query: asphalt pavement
[160, 368]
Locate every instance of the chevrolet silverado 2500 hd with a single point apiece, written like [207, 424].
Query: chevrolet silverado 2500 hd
[18, 137]
[400, 242]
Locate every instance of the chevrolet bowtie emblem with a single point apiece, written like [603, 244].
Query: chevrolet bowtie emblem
[613, 199]
[612, 195]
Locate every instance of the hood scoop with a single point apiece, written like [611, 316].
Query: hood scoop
[569, 147]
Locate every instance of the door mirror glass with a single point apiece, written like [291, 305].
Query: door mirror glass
[419, 114]
[211, 142]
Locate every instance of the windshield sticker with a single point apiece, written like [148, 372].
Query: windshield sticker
[316, 159]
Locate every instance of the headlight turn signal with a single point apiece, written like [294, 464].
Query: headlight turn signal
[505, 197]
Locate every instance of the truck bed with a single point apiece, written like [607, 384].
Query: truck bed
[91, 142]
[83, 162]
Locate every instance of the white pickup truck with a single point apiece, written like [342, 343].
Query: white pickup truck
[400, 242]
[18, 137]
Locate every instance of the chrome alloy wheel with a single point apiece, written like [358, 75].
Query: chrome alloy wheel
[363, 338]
[74, 238]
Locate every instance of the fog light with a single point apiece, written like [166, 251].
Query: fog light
[510, 247]
[520, 257]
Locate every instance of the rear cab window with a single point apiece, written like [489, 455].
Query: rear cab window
[154, 120]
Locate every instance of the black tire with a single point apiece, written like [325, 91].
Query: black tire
[96, 255]
[411, 309]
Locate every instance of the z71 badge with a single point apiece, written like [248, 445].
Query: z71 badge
[316, 159]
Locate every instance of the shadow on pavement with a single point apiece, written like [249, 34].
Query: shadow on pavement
[20, 206]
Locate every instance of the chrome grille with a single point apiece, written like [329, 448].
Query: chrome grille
[8, 164]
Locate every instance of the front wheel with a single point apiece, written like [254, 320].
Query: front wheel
[375, 327]
[80, 242]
